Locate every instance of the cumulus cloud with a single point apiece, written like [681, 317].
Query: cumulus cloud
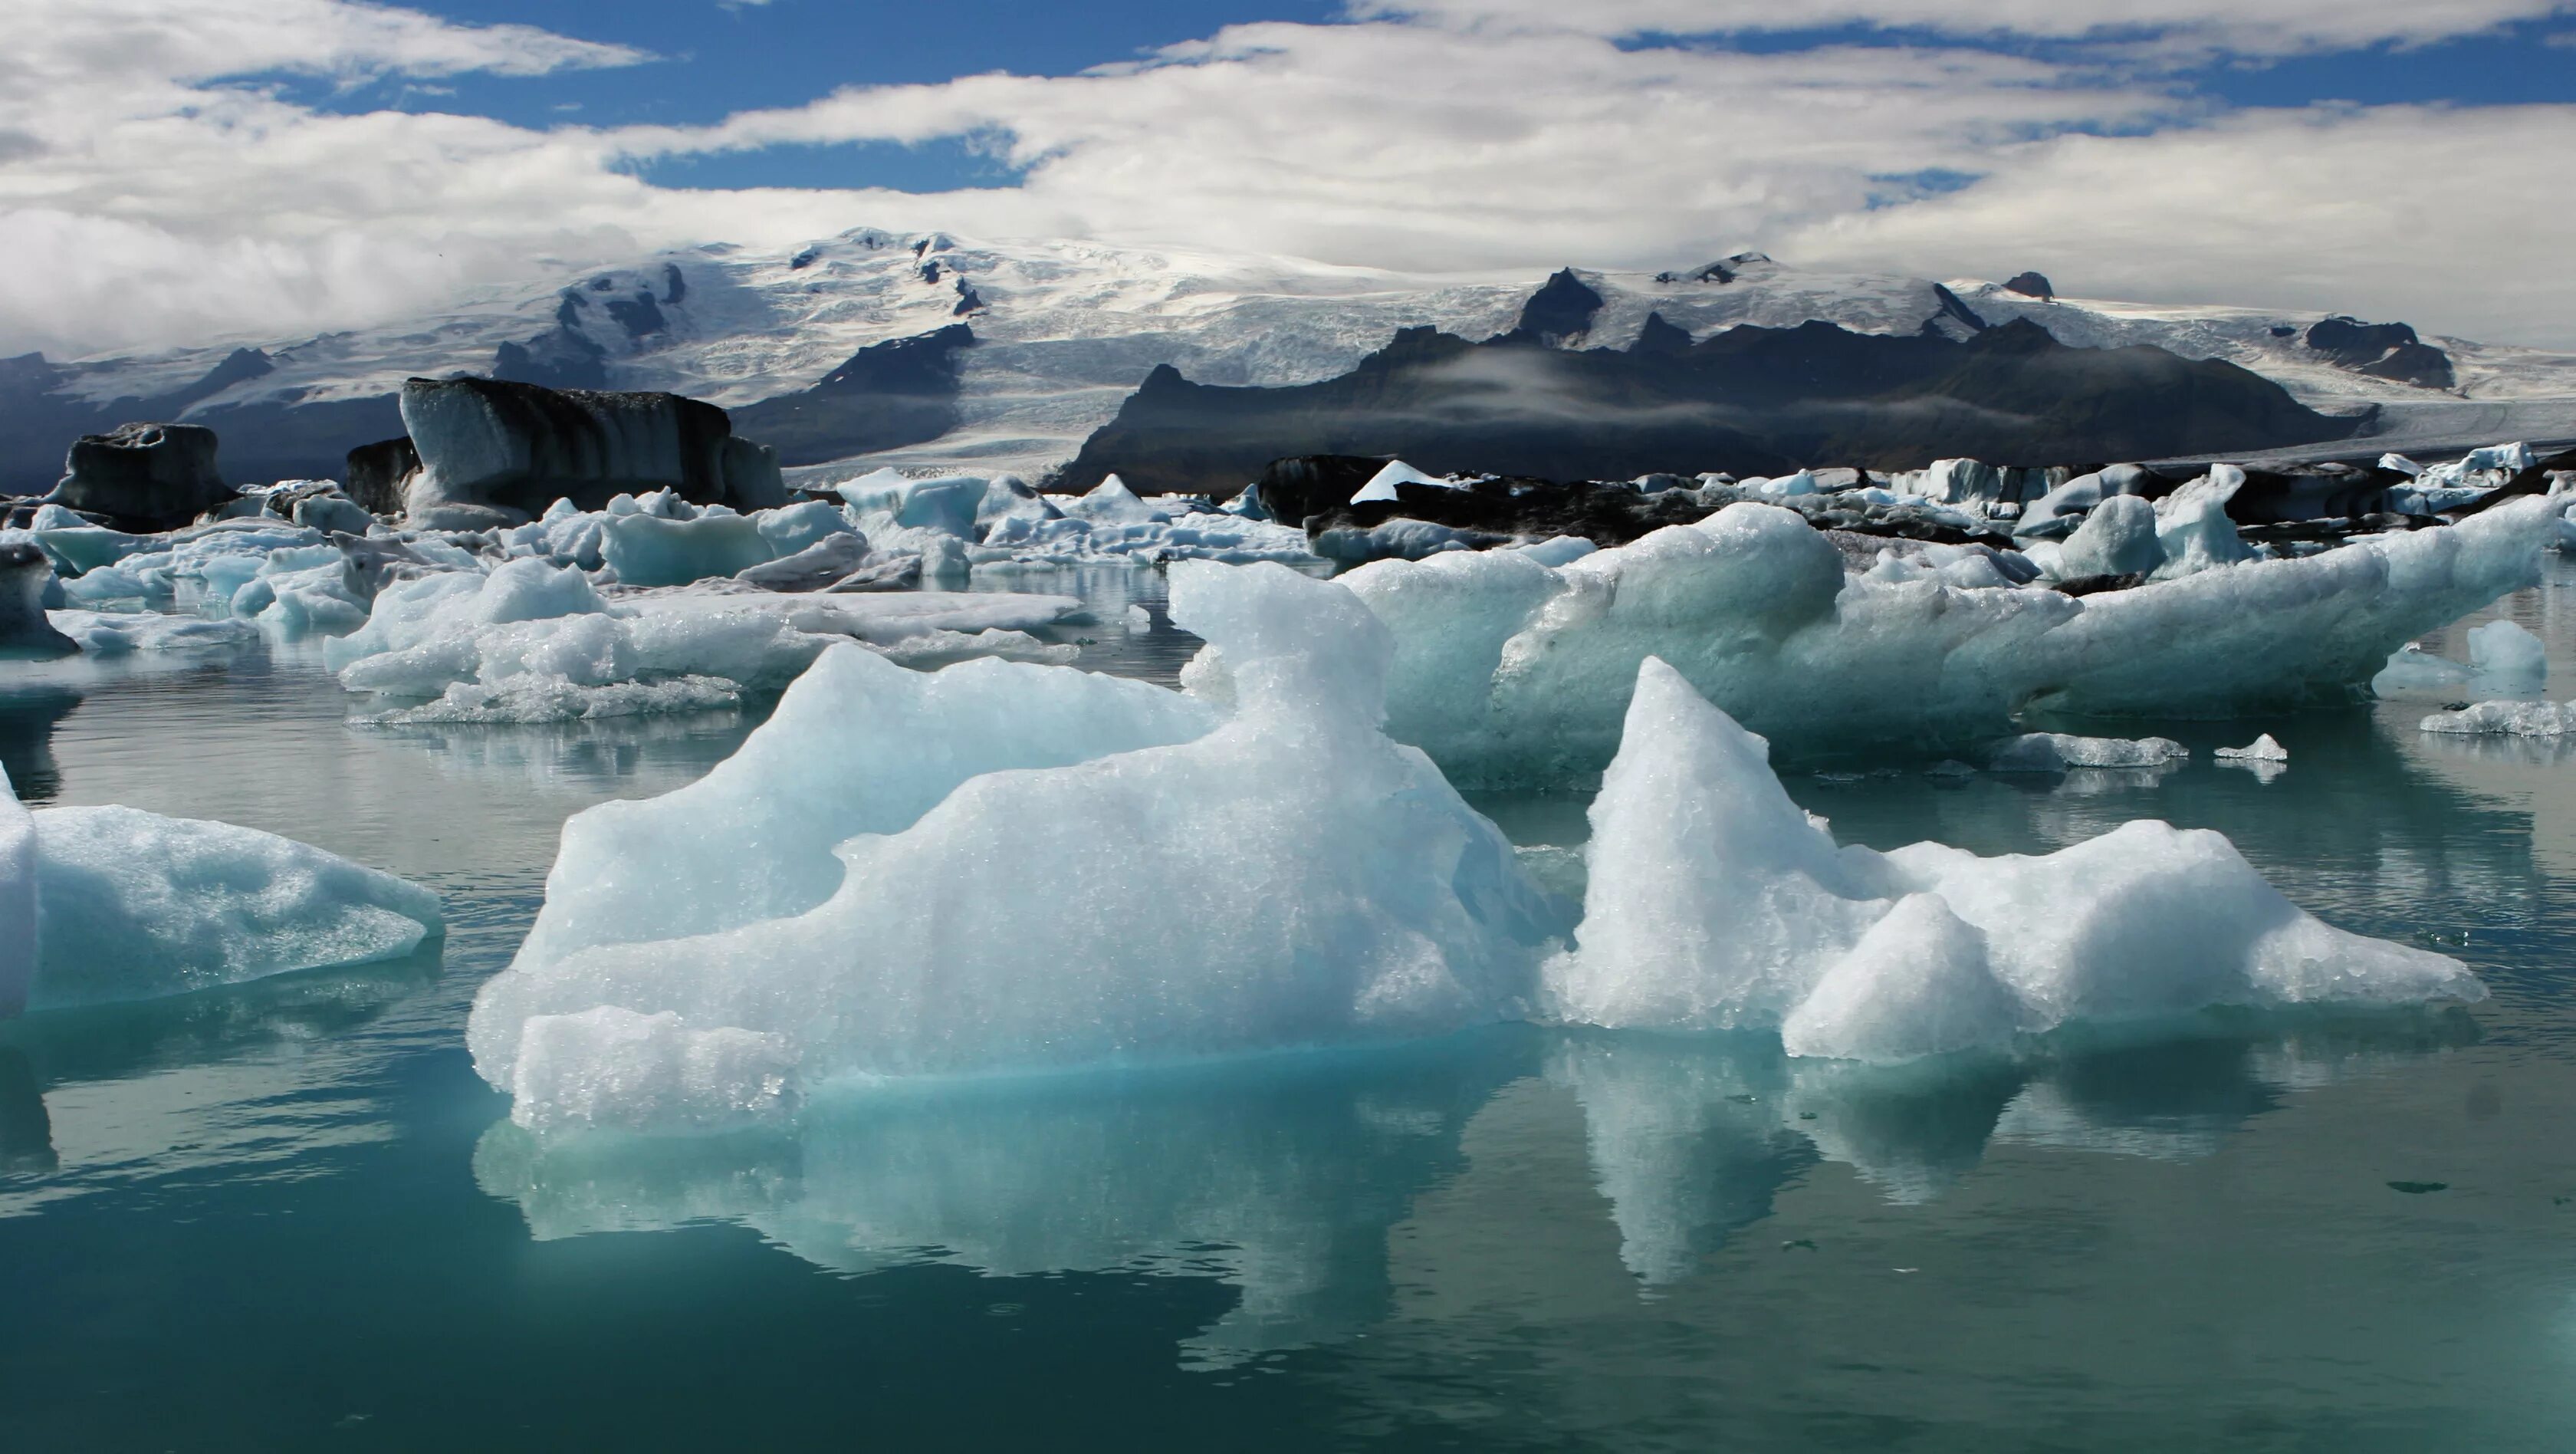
[149, 196]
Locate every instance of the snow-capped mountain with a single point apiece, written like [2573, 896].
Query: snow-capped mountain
[1028, 348]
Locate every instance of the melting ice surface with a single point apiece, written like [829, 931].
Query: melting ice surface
[839, 901]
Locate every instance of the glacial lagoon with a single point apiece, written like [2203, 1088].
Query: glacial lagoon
[288, 1215]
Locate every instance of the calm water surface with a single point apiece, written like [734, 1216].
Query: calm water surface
[290, 1217]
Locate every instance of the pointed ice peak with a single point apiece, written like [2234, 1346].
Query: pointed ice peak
[1381, 486]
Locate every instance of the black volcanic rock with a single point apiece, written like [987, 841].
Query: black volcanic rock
[375, 474]
[1534, 509]
[2031, 285]
[1746, 400]
[640, 315]
[1955, 320]
[2414, 363]
[2352, 343]
[143, 476]
[888, 395]
[1561, 310]
[1661, 337]
[1302, 485]
[2382, 350]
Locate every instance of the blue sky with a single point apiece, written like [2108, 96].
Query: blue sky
[714, 60]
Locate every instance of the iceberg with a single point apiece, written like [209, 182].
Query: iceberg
[1519, 673]
[936, 899]
[129, 905]
[25, 576]
[531, 628]
[547, 697]
[2261, 749]
[2508, 655]
[646, 550]
[2513, 719]
[2058, 751]
[1713, 902]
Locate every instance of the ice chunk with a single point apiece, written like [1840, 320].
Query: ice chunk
[2058, 751]
[19, 945]
[2517, 719]
[947, 506]
[1712, 902]
[1381, 486]
[820, 566]
[2413, 669]
[1398, 539]
[25, 577]
[132, 905]
[857, 745]
[1112, 503]
[2261, 749]
[1251, 904]
[1753, 607]
[2401, 464]
[615, 1069]
[1559, 550]
[552, 697]
[2192, 526]
[114, 633]
[328, 513]
[1917, 983]
[2119, 538]
[792, 528]
[2508, 657]
[646, 550]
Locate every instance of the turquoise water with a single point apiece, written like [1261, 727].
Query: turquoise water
[290, 1217]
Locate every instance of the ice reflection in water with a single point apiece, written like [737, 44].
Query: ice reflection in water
[1282, 1178]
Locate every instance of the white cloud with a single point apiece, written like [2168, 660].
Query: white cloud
[2440, 216]
[145, 202]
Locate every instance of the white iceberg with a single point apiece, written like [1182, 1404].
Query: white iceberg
[1714, 902]
[2508, 656]
[2513, 719]
[943, 897]
[2058, 751]
[531, 628]
[1381, 486]
[1519, 672]
[129, 905]
[2261, 749]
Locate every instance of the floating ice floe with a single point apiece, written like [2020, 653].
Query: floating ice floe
[2261, 749]
[1714, 902]
[2058, 751]
[845, 898]
[2513, 719]
[105, 904]
[1513, 671]
[539, 634]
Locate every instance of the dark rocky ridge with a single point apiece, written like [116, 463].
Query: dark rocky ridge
[888, 395]
[1747, 401]
[2382, 350]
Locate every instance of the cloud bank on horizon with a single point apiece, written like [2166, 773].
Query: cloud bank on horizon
[174, 171]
